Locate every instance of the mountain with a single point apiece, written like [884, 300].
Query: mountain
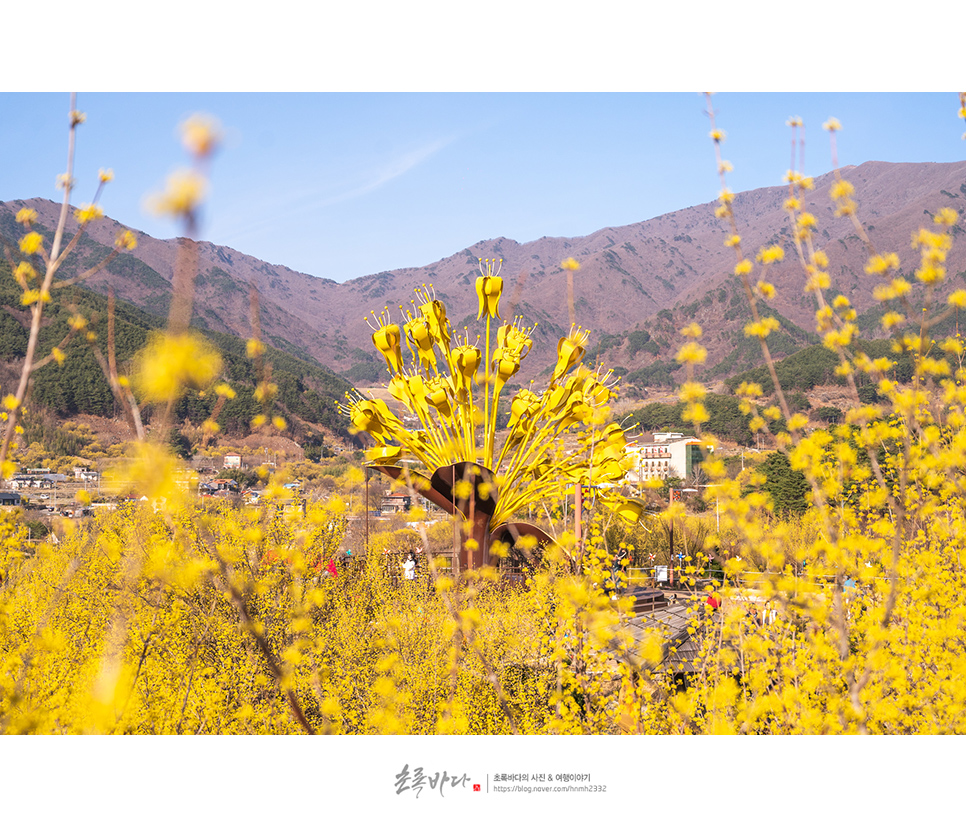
[637, 285]
[306, 391]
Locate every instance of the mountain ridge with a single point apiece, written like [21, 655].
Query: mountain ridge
[648, 277]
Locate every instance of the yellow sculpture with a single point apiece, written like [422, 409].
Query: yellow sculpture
[555, 438]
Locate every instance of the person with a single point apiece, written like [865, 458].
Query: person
[409, 567]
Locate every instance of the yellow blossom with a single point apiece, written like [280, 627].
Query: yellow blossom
[770, 254]
[945, 217]
[26, 216]
[183, 193]
[691, 353]
[743, 267]
[30, 243]
[105, 175]
[171, 363]
[762, 328]
[200, 134]
[126, 240]
[832, 125]
[24, 273]
[87, 213]
[841, 189]
[765, 290]
[879, 264]
[570, 264]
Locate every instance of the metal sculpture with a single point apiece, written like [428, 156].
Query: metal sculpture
[554, 439]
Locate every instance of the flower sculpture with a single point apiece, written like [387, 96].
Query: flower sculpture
[555, 438]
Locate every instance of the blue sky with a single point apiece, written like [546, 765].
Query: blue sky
[339, 181]
[347, 184]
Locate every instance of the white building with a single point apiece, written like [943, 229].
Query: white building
[669, 455]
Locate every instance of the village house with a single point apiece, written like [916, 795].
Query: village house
[667, 455]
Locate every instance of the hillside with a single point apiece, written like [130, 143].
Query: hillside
[307, 391]
[637, 285]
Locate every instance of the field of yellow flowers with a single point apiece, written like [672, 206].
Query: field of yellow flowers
[174, 617]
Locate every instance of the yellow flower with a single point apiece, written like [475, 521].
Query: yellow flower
[570, 263]
[105, 175]
[765, 289]
[420, 340]
[58, 355]
[24, 273]
[570, 350]
[880, 264]
[770, 254]
[200, 134]
[279, 423]
[841, 189]
[171, 363]
[717, 135]
[265, 391]
[691, 353]
[88, 212]
[945, 217]
[466, 361]
[743, 267]
[224, 390]
[692, 331]
[691, 392]
[26, 216]
[761, 328]
[10, 402]
[254, 348]
[126, 240]
[489, 288]
[388, 341]
[183, 193]
[832, 125]
[30, 243]
[733, 240]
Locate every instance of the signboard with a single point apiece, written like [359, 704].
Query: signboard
[660, 573]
